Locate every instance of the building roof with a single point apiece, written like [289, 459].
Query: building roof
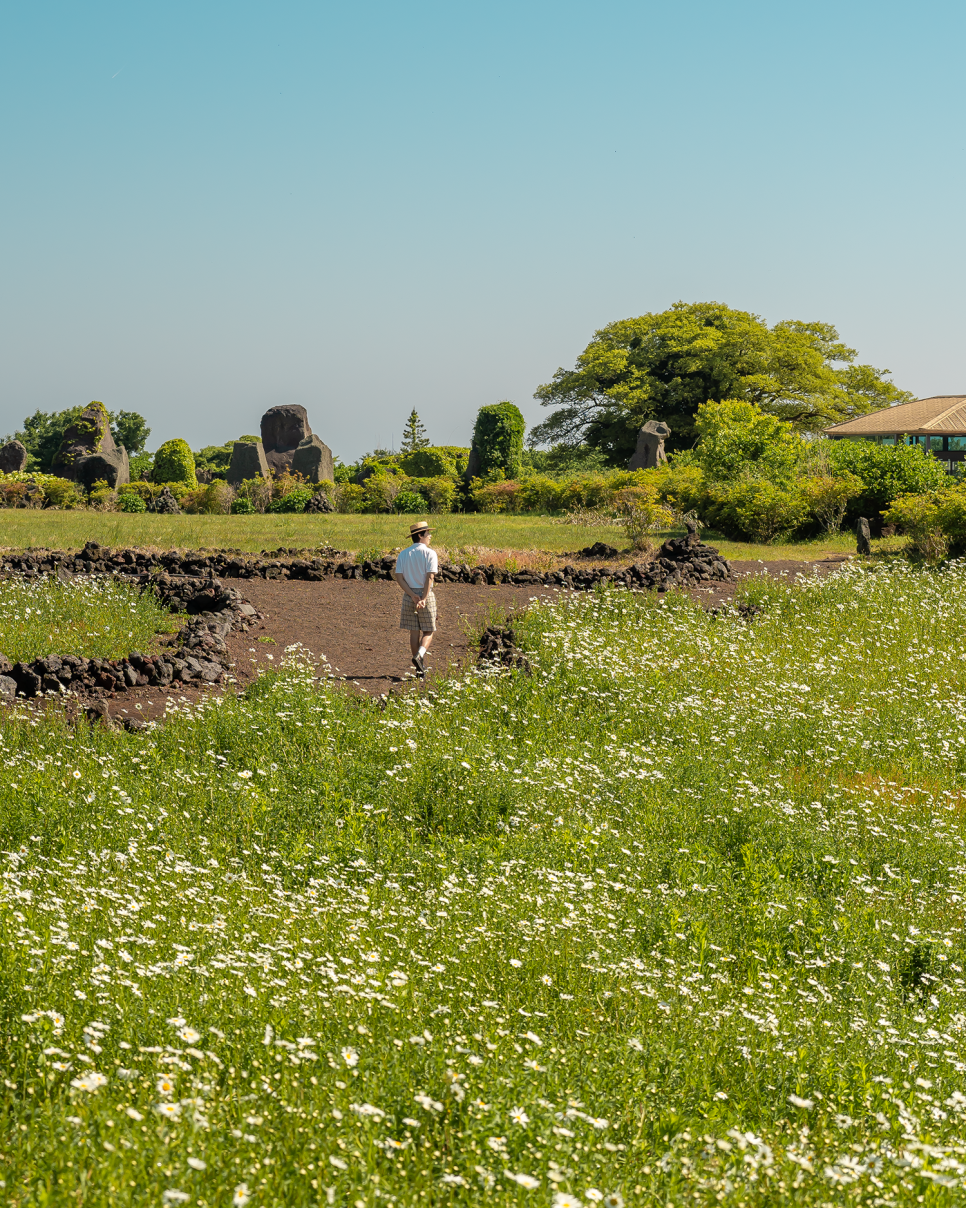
[944, 414]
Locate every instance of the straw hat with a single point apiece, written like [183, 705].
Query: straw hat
[419, 527]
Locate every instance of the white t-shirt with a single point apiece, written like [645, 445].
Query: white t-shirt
[415, 563]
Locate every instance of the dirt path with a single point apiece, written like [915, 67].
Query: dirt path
[354, 627]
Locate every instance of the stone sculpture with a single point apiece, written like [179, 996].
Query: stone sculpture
[650, 446]
[320, 502]
[88, 452]
[863, 543]
[313, 460]
[283, 430]
[164, 504]
[13, 457]
[247, 461]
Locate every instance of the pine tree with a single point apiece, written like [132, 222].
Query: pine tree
[414, 435]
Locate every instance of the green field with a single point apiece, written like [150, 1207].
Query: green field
[93, 618]
[454, 532]
[676, 919]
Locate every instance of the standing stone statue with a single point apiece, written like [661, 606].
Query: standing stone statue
[247, 461]
[863, 544]
[88, 452]
[313, 460]
[649, 453]
[13, 458]
[283, 430]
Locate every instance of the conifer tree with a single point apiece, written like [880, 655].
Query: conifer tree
[414, 434]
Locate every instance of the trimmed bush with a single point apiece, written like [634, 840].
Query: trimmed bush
[242, 507]
[175, 463]
[409, 502]
[427, 463]
[131, 503]
[349, 498]
[497, 449]
[292, 501]
[754, 509]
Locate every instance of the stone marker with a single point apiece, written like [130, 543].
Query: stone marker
[863, 544]
[13, 458]
[88, 452]
[283, 430]
[320, 502]
[649, 453]
[247, 461]
[313, 460]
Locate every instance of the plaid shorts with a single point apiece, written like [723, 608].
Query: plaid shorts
[423, 621]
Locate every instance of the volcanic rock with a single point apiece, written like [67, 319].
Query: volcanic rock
[247, 461]
[320, 502]
[13, 457]
[863, 543]
[313, 460]
[283, 430]
[649, 453]
[164, 504]
[88, 452]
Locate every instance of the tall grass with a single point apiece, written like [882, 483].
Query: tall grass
[92, 618]
[70, 530]
[679, 918]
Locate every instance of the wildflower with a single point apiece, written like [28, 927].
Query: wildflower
[171, 1111]
[177, 1021]
[429, 1104]
[338, 1163]
[524, 1180]
[454, 1180]
[563, 1200]
[613, 1199]
[515, 963]
[165, 1085]
[497, 1143]
[594, 1195]
[797, 1101]
[350, 1057]
[197, 1164]
[173, 1196]
[91, 1081]
[547, 979]
[245, 775]
[134, 1113]
[519, 1116]
[242, 1196]
[367, 1109]
[533, 1038]
[190, 1035]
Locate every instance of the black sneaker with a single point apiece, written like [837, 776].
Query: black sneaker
[419, 665]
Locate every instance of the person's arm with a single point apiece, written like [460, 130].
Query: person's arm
[406, 588]
[427, 588]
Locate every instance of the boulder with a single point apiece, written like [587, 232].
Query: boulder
[650, 446]
[283, 430]
[88, 452]
[313, 460]
[863, 542]
[13, 457]
[247, 461]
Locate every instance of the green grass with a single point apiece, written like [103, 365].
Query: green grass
[92, 618]
[679, 918]
[70, 530]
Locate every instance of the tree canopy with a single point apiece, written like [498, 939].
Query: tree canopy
[665, 365]
[43, 433]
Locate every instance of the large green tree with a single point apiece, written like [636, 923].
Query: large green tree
[664, 366]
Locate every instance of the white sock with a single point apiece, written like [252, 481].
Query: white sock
[423, 651]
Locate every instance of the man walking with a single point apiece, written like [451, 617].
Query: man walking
[415, 573]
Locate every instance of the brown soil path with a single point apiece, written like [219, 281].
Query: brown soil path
[353, 626]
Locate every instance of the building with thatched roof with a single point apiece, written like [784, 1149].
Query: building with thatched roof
[937, 424]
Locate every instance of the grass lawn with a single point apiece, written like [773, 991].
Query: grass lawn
[676, 919]
[454, 533]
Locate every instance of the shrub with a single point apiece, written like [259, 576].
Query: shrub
[213, 499]
[440, 493]
[886, 473]
[174, 463]
[285, 482]
[141, 465]
[828, 497]
[257, 491]
[143, 490]
[293, 500]
[26, 489]
[427, 463]
[542, 494]
[409, 502]
[496, 497]
[754, 509]
[497, 442]
[641, 513]
[242, 507]
[349, 497]
[934, 521]
[587, 491]
[380, 491]
[102, 497]
[131, 503]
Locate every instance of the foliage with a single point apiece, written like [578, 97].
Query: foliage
[215, 459]
[828, 497]
[213, 499]
[564, 460]
[102, 496]
[349, 497]
[497, 448]
[886, 472]
[427, 463]
[605, 899]
[409, 502]
[738, 438]
[414, 435]
[666, 365]
[129, 430]
[141, 466]
[379, 492]
[493, 497]
[934, 521]
[24, 488]
[257, 491]
[175, 463]
[131, 502]
[242, 507]
[292, 501]
[439, 493]
[754, 509]
[642, 513]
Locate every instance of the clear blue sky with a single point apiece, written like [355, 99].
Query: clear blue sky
[209, 208]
